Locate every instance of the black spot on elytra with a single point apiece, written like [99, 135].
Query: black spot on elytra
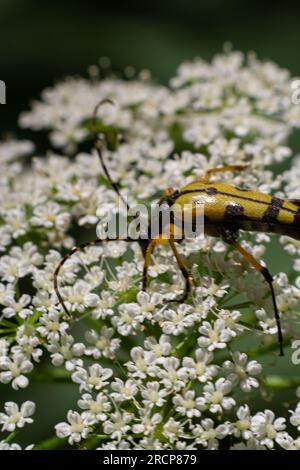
[276, 202]
[241, 189]
[272, 211]
[211, 191]
[234, 211]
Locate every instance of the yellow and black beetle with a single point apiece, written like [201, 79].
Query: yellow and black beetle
[227, 209]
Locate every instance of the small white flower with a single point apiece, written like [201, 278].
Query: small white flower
[123, 390]
[78, 297]
[49, 215]
[214, 336]
[16, 221]
[154, 394]
[172, 376]
[51, 326]
[231, 319]
[148, 302]
[142, 364]
[118, 425]
[66, 352]
[99, 407]
[287, 442]
[125, 277]
[14, 370]
[129, 318]
[242, 427]
[13, 446]
[266, 428]
[240, 372]
[15, 417]
[215, 396]
[199, 367]
[12, 269]
[77, 428]
[266, 321]
[4, 345]
[68, 270]
[28, 343]
[104, 307]
[187, 404]
[115, 445]
[5, 238]
[147, 423]
[28, 255]
[177, 321]
[12, 149]
[210, 288]
[94, 277]
[14, 307]
[250, 444]
[295, 417]
[173, 430]
[208, 435]
[160, 348]
[95, 378]
[103, 344]
[7, 292]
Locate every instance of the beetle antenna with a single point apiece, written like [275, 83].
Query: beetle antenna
[98, 144]
[77, 249]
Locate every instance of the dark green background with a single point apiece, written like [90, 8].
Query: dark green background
[42, 41]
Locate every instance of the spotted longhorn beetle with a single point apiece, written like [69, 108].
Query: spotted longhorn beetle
[227, 209]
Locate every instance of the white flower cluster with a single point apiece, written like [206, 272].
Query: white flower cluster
[12, 420]
[151, 375]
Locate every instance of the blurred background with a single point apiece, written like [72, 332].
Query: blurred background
[41, 42]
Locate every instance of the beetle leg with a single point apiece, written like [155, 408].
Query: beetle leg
[222, 169]
[147, 260]
[188, 279]
[231, 239]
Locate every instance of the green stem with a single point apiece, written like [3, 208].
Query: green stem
[8, 323]
[93, 441]
[12, 435]
[277, 381]
[7, 330]
[51, 443]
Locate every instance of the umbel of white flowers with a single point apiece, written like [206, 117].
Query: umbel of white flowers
[151, 375]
